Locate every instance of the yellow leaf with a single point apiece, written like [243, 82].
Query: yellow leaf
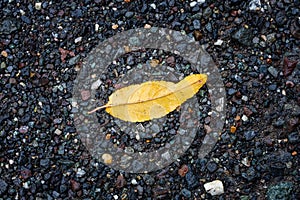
[152, 99]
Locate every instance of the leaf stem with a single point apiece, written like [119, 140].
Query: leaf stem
[98, 108]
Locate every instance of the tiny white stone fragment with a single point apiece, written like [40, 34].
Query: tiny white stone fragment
[57, 132]
[244, 118]
[22, 12]
[38, 6]
[133, 182]
[244, 98]
[138, 137]
[254, 5]
[80, 172]
[97, 27]
[218, 42]
[246, 162]
[153, 6]
[78, 40]
[25, 185]
[214, 187]
[193, 3]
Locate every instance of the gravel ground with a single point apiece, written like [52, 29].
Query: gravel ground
[255, 45]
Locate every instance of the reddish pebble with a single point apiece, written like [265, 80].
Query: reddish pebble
[288, 66]
[85, 95]
[75, 186]
[183, 170]
[120, 181]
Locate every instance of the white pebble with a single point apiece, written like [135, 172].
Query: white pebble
[133, 182]
[22, 12]
[25, 185]
[116, 196]
[254, 5]
[244, 98]
[246, 162]
[153, 6]
[201, 1]
[97, 27]
[218, 42]
[244, 118]
[78, 40]
[214, 187]
[57, 132]
[138, 137]
[38, 6]
[80, 172]
[193, 3]
[11, 162]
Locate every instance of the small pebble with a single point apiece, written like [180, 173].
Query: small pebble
[273, 71]
[249, 135]
[186, 193]
[78, 40]
[147, 26]
[107, 158]
[38, 5]
[193, 3]
[97, 27]
[214, 188]
[218, 42]
[244, 118]
[153, 6]
[80, 173]
[133, 182]
[57, 131]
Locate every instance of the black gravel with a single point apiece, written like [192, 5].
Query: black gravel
[43, 46]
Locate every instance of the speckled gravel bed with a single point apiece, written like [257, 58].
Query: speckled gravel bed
[254, 43]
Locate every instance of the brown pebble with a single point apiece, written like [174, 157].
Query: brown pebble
[247, 111]
[288, 66]
[238, 94]
[269, 60]
[171, 60]
[229, 84]
[292, 124]
[183, 170]
[198, 35]
[234, 13]
[120, 181]
[75, 186]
